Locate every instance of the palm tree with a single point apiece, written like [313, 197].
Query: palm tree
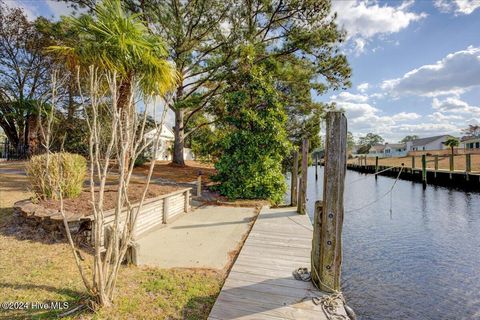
[452, 143]
[114, 40]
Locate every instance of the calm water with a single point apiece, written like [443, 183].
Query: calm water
[420, 261]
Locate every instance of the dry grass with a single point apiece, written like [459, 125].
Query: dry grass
[40, 271]
[188, 173]
[443, 162]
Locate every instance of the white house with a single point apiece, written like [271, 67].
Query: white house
[165, 147]
[395, 150]
[471, 143]
[377, 150]
[166, 140]
[426, 144]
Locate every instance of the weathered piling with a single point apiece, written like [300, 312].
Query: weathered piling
[452, 163]
[199, 185]
[436, 165]
[294, 182]
[328, 221]
[413, 162]
[424, 171]
[376, 167]
[302, 199]
[468, 162]
[316, 164]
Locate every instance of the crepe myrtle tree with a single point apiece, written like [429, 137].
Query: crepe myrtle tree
[117, 62]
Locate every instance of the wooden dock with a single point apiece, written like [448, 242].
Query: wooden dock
[260, 284]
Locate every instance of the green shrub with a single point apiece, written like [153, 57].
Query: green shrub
[250, 166]
[65, 172]
[141, 160]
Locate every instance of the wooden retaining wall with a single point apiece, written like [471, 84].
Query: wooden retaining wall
[155, 212]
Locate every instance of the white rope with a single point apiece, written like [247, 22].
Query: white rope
[329, 303]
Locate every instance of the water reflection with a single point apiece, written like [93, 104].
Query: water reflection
[422, 261]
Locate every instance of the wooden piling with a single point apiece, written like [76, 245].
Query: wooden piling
[294, 182]
[316, 164]
[327, 240]
[413, 163]
[199, 185]
[376, 167]
[302, 198]
[452, 164]
[424, 171]
[436, 165]
[468, 162]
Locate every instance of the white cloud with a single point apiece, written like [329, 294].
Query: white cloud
[440, 117]
[363, 20]
[403, 116]
[363, 87]
[363, 118]
[59, 8]
[428, 129]
[457, 106]
[350, 97]
[457, 6]
[454, 74]
[360, 18]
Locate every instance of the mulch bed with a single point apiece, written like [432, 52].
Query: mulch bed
[81, 206]
[181, 174]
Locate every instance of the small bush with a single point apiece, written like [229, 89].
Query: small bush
[65, 172]
[141, 160]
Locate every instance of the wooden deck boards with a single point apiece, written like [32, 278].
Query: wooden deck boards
[260, 284]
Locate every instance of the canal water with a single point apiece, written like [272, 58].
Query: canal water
[421, 260]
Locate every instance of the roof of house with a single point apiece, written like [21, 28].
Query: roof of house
[424, 141]
[377, 147]
[395, 145]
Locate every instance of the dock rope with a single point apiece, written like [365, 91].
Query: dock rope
[329, 303]
[382, 196]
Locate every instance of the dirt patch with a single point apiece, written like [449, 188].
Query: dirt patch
[81, 205]
[182, 174]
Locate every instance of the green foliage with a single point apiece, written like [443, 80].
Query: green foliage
[370, 139]
[409, 138]
[116, 40]
[253, 149]
[141, 160]
[350, 141]
[452, 142]
[50, 174]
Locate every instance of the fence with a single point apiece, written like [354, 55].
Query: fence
[10, 152]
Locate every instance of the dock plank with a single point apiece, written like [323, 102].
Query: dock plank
[260, 284]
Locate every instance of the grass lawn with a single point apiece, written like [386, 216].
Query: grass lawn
[37, 269]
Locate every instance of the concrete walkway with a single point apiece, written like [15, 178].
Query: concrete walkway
[202, 238]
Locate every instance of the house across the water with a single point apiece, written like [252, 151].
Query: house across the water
[395, 150]
[471, 143]
[377, 150]
[428, 144]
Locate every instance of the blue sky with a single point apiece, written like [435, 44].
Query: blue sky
[416, 64]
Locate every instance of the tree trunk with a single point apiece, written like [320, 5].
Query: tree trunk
[32, 135]
[179, 142]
